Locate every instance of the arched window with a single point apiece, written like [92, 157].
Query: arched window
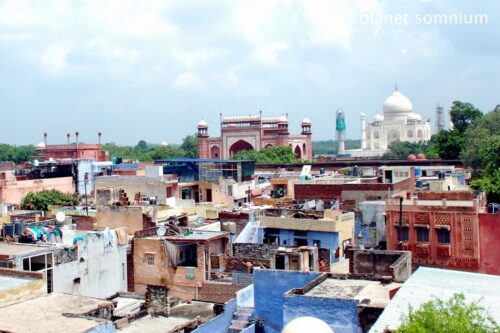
[376, 135]
[420, 134]
[297, 152]
[410, 133]
[239, 146]
[214, 152]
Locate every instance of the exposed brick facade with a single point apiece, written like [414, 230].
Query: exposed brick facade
[217, 292]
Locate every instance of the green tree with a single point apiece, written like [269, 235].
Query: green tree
[142, 145]
[41, 200]
[452, 316]
[271, 155]
[463, 115]
[449, 144]
[190, 146]
[16, 154]
[402, 149]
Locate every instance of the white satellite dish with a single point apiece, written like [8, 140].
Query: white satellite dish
[60, 217]
[161, 231]
[200, 220]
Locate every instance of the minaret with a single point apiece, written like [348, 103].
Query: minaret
[363, 131]
[450, 123]
[340, 127]
[439, 117]
[203, 139]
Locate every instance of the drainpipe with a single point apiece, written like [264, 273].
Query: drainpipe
[400, 241]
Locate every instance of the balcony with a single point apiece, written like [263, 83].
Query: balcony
[422, 249]
[443, 250]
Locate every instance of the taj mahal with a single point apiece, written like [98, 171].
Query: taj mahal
[398, 122]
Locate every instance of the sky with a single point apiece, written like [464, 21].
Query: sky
[151, 70]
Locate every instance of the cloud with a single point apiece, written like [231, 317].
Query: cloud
[268, 53]
[103, 48]
[187, 80]
[54, 58]
[191, 59]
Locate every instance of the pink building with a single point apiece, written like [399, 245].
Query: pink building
[72, 150]
[253, 132]
[13, 190]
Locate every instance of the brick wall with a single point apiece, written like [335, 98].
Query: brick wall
[83, 222]
[130, 270]
[452, 195]
[254, 251]
[239, 264]
[217, 292]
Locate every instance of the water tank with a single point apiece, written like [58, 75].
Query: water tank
[8, 229]
[232, 227]
[493, 208]
[417, 172]
[322, 171]
[18, 227]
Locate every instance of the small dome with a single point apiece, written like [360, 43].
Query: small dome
[283, 119]
[362, 114]
[412, 157]
[306, 121]
[40, 145]
[202, 123]
[307, 324]
[163, 144]
[397, 105]
[414, 116]
[421, 156]
[378, 117]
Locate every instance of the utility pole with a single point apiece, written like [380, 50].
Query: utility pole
[85, 178]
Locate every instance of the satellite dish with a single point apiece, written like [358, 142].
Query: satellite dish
[60, 217]
[200, 220]
[161, 231]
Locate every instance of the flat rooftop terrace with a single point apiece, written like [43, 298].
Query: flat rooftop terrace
[7, 281]
[10, 250]
[359, 290]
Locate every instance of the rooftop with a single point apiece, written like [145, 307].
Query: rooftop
[197, 160]
[180, 315]
[359, 290]
[48, 314]
[428, 283]
[11, 250]
[197, 235]
[7, 281]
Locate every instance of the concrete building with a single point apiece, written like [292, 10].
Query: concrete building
[443, 229]
[190, 266]
[71, 150]
[13, 190]
[253, 132]
[17, 286]
[330, 234]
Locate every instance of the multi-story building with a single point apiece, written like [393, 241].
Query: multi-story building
[441, 229]
[253, 133]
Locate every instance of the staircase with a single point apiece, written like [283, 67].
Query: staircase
[240, 319]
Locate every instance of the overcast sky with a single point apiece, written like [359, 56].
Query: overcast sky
[152, 69]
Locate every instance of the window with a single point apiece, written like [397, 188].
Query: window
[403, 236]
[376, 135]
[443, 236]
[410, 133]
[123, 271]
[150, 259]
[422, 235]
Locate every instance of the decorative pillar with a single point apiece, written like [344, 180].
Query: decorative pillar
[363, 131]
[340, 127]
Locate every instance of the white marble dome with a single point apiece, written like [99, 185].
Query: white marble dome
[283, 119]
[163, 144]
[202, 123]
[307, 324]
[40, 145]
[414, 116]
[306, 121]
[397, 105]
[378, 117]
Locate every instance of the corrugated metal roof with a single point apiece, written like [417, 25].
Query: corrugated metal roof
[428, 283]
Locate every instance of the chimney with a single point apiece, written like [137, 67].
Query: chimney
[99, 135]
[67, 138]
[45, 138]
[76, 136]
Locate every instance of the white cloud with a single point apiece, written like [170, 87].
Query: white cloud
[268, 53]
[53, 59]
[187, 80]
[195, 57]
[103, 48]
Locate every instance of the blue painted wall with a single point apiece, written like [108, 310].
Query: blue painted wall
[269, 289]
[328, 240]
[221, 323]
[249, 329]
[340, 314]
